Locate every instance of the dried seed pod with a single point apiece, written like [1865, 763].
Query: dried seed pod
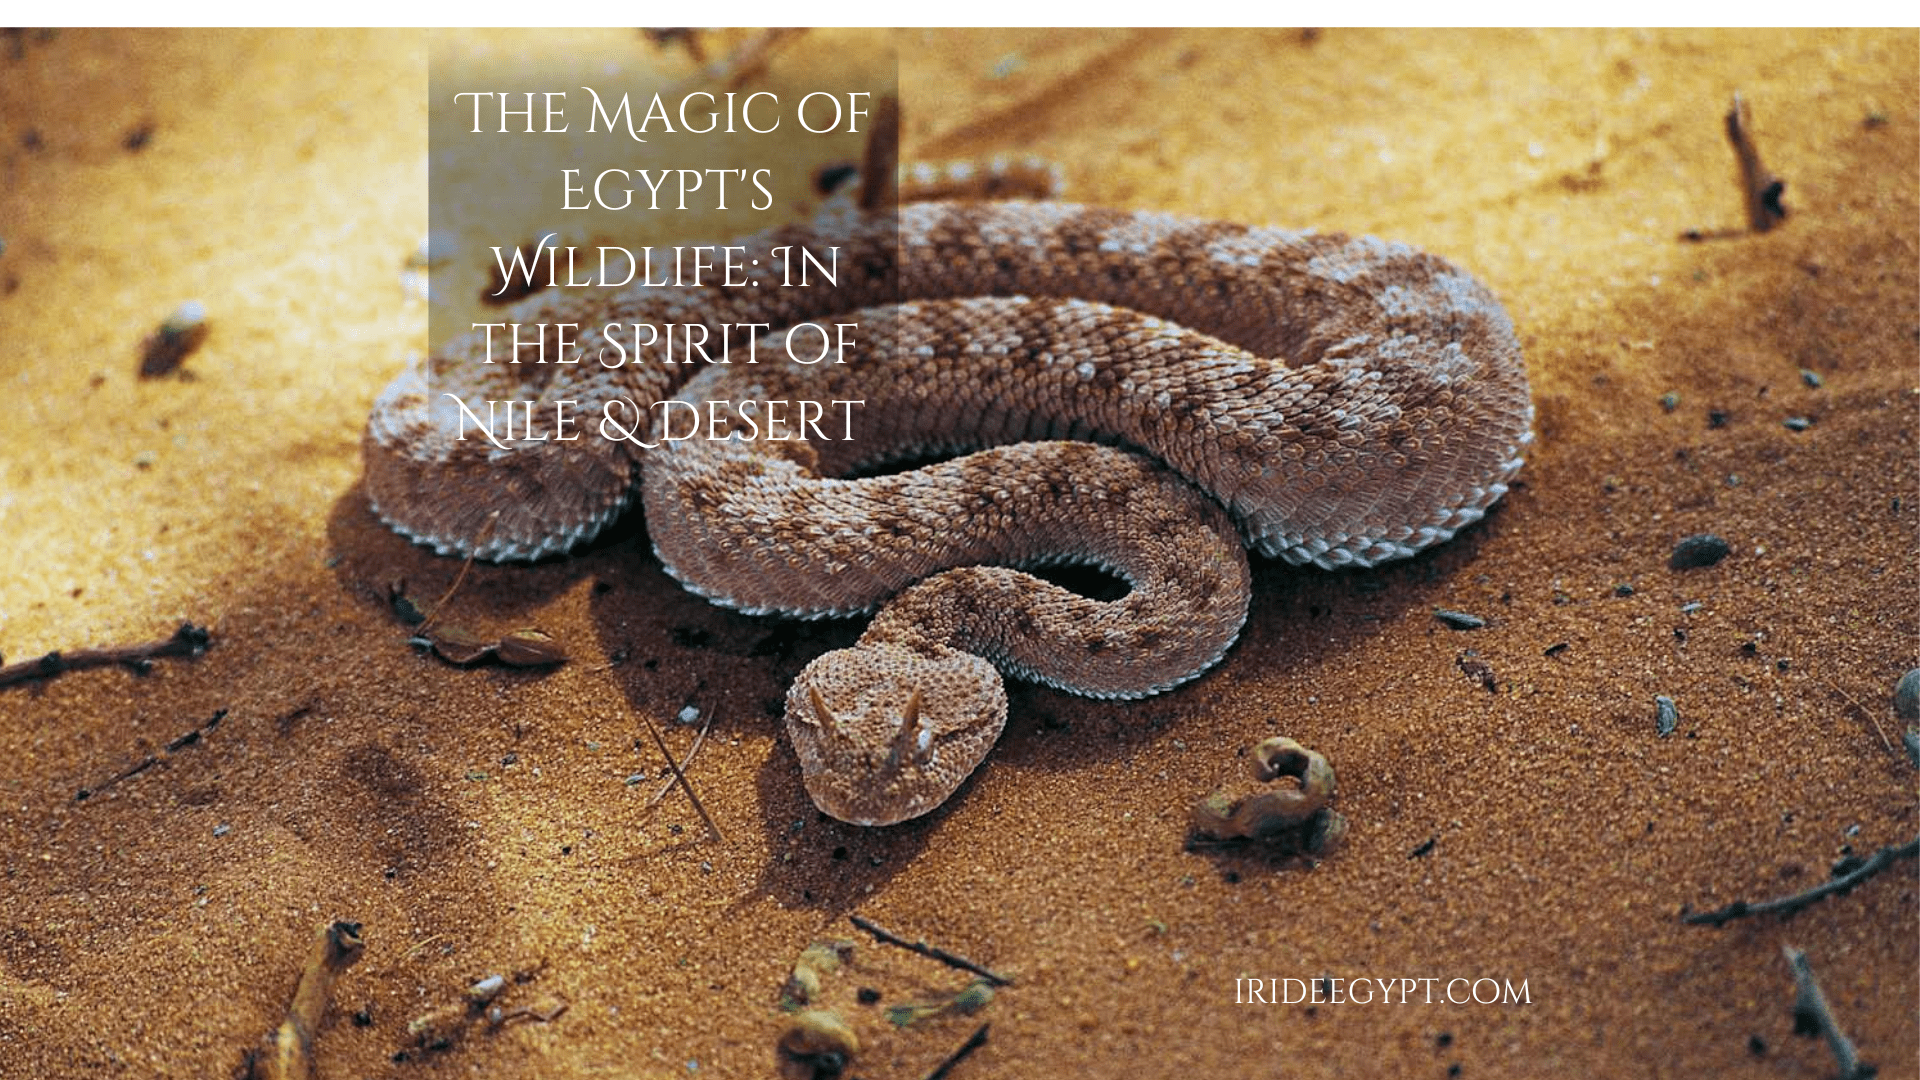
[803, 987]
[529, 648]
[1329, 833]
[1292, 815]
[1281, 756]
[978, 995]
[1272, 814]
[818, 960]
[817, 1045]
[1212, 817]
[458, 645]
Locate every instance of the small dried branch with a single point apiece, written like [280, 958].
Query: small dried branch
[1864, 711]
[287, 1053]
[681, 778]
[1761, 188]
[932, 953]
[189, 640]
[692, 752]
[974, 1042]
[1787, 905]
[1812, 1016]
[173, 747]
[459, 578]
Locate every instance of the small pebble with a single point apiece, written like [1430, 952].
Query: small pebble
[1623, 589]
[1458, 620]
[1797, 423]
[1812, 378]
[1906, 696]
[222, 830]
[186, 317]
[1666, 715]
[1701, 549]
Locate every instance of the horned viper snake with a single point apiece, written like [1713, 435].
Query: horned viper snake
[1138, 391]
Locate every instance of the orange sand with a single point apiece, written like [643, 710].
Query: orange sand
[284, 185]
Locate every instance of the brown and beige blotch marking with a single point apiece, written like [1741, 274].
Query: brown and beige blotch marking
[1140, 392]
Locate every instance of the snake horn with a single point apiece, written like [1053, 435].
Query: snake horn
[820, 707]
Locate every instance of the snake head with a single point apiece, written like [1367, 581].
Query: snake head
[886, 732]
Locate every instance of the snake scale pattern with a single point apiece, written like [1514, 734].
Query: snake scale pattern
[1144, 393]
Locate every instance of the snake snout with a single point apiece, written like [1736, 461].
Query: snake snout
[885, 733]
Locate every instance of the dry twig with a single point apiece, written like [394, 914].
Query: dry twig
[287, 1053]
[931, 952]
[974, 1042]
[685, 764]
[189, 640]
[733, 70]
[681, 777]
[1811, 1016]
[1761, 188]
[176, 745]
[460, 578]
[1864, 711]
[1787, 905]
[685, 37]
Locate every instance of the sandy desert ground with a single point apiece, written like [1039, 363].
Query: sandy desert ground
[481, 821]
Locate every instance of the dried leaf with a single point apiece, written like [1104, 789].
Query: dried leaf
[459, 646]
[530, 648]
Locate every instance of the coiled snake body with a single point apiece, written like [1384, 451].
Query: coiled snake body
[1141, 392]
